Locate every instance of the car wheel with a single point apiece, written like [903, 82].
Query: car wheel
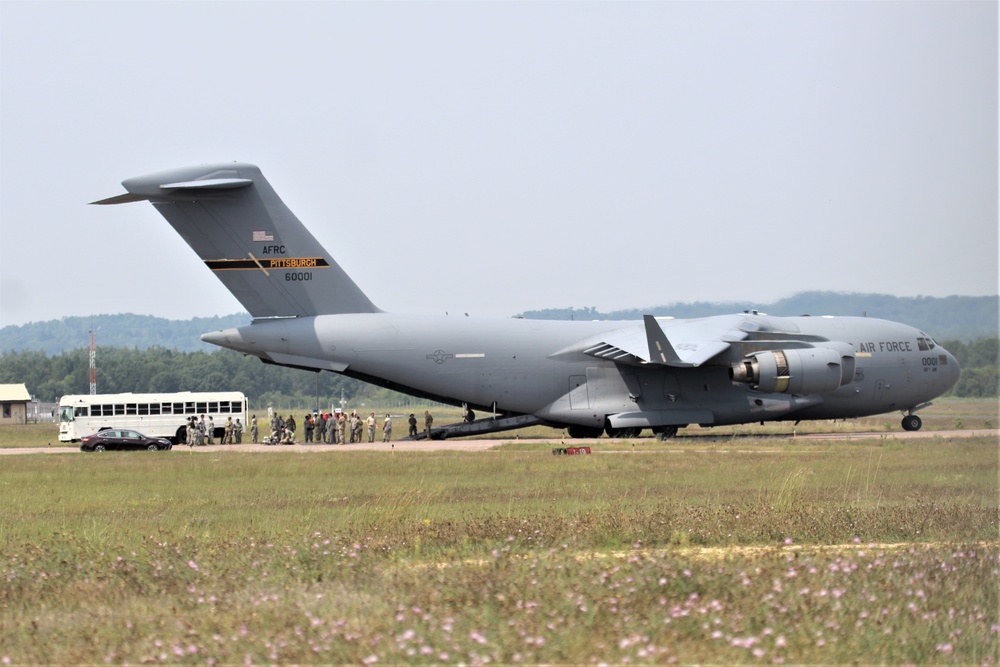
[153, 448]
[99, 448]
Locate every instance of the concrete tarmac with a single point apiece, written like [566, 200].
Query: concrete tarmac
[471, 445]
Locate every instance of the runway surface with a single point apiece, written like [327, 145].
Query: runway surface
[470, 445]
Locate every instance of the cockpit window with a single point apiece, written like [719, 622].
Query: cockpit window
[925, 344]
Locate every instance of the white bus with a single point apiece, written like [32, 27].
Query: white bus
[159, 415]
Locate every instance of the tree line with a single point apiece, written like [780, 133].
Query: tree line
[157, 369]
[980, 361]
[161, 370]
[965, 318]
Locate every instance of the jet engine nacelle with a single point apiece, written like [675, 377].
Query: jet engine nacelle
[811, 370]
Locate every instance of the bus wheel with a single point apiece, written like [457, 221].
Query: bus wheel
[181, 436]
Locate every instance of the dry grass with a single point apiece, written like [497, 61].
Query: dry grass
[878, 552]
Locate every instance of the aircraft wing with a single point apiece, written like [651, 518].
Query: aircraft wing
[690, 343]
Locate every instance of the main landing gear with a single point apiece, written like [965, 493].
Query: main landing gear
[665, 432]
[577, 431]
[622, 433]
[912, 423]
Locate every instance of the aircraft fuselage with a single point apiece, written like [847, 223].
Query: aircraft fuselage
[511, 366]
[656, 373]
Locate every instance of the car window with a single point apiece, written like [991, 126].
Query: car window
[131, 435]
[108, 434]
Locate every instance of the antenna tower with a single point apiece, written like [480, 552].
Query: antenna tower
[93, 362]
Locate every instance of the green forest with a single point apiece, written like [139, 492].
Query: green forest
[162, 370]
[964, 318]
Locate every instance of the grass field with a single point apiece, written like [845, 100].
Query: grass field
[775, 551]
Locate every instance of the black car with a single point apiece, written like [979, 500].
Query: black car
[121, 438]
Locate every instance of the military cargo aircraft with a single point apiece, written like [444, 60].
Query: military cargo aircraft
[614, 377]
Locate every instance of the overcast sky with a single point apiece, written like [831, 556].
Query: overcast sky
[493, 158]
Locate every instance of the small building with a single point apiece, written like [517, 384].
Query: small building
[14, 399]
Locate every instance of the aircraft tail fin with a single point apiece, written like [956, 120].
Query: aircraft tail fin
[234, 220]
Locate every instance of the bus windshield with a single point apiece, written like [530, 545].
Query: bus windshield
[65, 413]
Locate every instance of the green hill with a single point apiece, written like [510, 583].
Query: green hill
[964, 318]
[127, 330]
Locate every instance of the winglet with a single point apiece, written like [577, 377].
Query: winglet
[660, 349]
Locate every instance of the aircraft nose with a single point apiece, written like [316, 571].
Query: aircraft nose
[953, 369]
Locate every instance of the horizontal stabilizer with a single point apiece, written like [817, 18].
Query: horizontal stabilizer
[120, 199]
[209, 184]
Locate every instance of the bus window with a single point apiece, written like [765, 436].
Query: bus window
[189, 408]
[154, 408]
[201, 407]
[165, 408]
[143, 408]
[213, 406]
[178, 408]
[106, 410]
[131, 409]
[119, 408]
[81, 411]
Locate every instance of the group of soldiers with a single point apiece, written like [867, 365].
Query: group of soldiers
[200, 432]
[334, 429]
[282, 431]
[341, 428]
[329, 428]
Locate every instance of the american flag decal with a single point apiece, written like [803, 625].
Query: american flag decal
[262, 236]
